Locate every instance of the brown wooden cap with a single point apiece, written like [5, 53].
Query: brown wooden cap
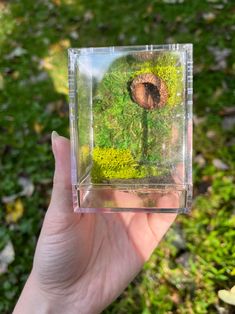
[149, 91]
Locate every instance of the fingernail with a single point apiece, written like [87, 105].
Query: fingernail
[54, 135]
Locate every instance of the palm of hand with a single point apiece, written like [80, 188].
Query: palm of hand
[89, 259]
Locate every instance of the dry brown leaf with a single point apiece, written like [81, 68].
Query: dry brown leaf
[57, 2]
[61, 45]
[46, 63]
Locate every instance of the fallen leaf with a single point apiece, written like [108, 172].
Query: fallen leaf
[15, 211]
[27, 185]
[17, 52]
[3, 6]
[208, 17]
[27, 190]
[74, 35]
[219, 164]
[7, 256]
[38, 127]
[200, 160]
[46, 63]
[58, 47]
[228, 296]
[175, 298]
[221, 310]
[88, 16]
[227, 111]
[211, 134]
[57, 2]
[9, 199]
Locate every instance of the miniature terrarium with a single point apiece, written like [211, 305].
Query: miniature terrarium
[131, 128]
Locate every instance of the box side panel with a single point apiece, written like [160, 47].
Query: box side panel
[189, 116]
[72, 59]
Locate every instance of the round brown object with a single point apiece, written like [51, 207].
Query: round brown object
[149, 91]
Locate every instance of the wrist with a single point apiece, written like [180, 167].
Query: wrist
[35, 301]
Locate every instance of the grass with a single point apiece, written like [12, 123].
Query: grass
[196, 259]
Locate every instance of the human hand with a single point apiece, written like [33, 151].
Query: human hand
[84, 261]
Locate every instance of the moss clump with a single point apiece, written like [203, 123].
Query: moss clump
[111, 163]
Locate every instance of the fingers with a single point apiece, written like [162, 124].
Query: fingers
[159, 223]
[61, 151]
[61, 200]
[147, 229]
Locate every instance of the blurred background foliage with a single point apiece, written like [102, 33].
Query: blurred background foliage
[197, 257]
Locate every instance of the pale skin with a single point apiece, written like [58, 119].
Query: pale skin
[83, 262]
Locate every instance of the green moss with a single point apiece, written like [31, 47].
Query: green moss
[111, 163]
[121, 123]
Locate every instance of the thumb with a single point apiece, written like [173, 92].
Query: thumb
[61, 199]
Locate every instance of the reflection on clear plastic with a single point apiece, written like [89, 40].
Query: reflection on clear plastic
[131, 128]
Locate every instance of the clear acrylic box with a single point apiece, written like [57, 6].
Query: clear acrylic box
[131, 128]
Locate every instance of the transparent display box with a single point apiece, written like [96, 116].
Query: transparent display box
[131, 128]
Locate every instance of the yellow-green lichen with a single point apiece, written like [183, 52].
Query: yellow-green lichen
[111, 163]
